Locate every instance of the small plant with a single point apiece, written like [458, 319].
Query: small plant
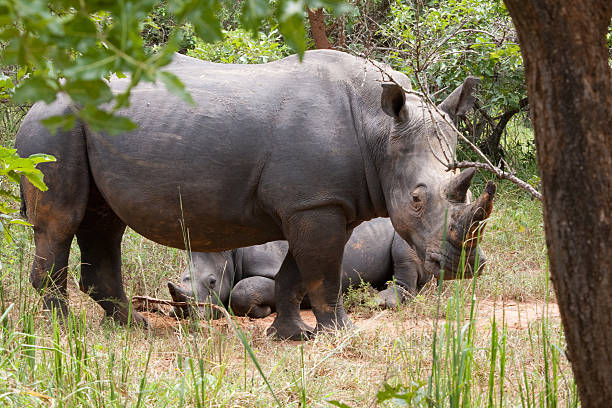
[360, 299]
[242, 47]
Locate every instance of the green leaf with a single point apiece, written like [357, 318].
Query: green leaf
[35, 89]
[80, 32]
[253, 12]
[202, 14]
[40, 158]
[7, 234]
[174, 85]
[13, 166]
[36, 178]
[8, 194]
[102, 121]
[206, 26]
[17, 221]
[291, 24]
[66, 122]
[336, 7]
[5, 15]
[95, 91]
[94, 64]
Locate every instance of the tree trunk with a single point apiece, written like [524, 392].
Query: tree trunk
[569, 84]
[318, 28]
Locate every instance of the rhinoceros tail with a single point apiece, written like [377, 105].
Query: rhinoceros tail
[23, 210]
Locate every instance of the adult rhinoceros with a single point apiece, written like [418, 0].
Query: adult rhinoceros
[302, 151]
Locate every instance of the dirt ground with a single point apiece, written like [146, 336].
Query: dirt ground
[516, 315]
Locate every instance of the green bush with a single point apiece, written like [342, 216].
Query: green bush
[241, 47]
[158, 27]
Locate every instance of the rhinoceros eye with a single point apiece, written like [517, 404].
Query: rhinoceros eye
[418, 198]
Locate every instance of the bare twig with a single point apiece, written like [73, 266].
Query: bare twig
[150, 300]
[503, 175]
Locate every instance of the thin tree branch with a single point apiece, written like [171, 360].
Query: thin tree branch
[501, 174]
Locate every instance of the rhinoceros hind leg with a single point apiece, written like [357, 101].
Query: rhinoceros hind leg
[55, 217]
[99, 237]
[253, 297]
[288, 294]
[49, 272]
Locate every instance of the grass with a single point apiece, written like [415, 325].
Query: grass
[482, 357]
[495, 341]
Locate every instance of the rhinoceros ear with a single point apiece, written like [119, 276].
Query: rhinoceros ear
[392, 100]
[462, 99]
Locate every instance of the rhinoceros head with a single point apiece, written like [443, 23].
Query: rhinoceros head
[208, 279]
[429, 206]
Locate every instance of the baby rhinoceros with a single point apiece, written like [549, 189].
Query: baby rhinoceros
[374, 254]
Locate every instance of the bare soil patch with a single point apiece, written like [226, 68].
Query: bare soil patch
[516, 315]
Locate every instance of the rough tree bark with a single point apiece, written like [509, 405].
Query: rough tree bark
[569, 84]
[318, 28]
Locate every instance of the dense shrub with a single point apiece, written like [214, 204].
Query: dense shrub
[241, 47]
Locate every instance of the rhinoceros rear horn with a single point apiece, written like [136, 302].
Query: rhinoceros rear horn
[459, 185]
[462, 99]
[179, 294]
[392, 99]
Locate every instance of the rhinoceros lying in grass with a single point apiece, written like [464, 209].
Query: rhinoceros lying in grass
[244, 278]
[289, 150]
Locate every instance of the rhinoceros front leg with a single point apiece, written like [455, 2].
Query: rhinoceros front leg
[312, 266]
[253, 297]
[289, 290]
[408, 275]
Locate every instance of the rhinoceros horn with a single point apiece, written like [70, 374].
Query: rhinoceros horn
[475, 213]
[179, 294]
[459, 185]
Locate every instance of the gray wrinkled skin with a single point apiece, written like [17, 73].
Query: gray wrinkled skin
[286, 150]
[374, 254]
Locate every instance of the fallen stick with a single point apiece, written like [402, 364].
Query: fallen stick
[146, 300]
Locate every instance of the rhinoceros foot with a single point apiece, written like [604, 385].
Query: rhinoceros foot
[392, 297]
[331, 321]
[57, 304]
[127, 318]
[290, 330]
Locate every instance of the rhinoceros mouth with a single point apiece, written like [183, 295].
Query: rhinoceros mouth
[186, 295]
[432, 263]
[456, 262]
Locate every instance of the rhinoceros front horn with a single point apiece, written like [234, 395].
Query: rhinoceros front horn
[480, 211]
[459, 185]
[179, 294]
